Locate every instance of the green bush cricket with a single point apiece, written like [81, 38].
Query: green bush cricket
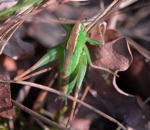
[74, 55]
[73, 59]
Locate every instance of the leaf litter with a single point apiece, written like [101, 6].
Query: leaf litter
[106, 92]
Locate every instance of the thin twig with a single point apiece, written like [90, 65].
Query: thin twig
[46, 113]
[82, 99]
[41, 124]
[69, 97]
[46, 4]
[43, 94]
[75, 106]
[104, 14]
[72, 110]
[100, 17]
[12, 28]
[31, 12]
[40, 117]
[17, 25]
[23, 93]
[144, 52]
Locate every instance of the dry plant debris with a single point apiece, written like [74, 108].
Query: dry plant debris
[6, 107]
[123, 98]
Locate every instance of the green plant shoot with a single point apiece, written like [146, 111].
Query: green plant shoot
[73, 56]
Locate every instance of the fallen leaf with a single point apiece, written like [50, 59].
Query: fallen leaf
[104, 96]
[115, 54]
[6, 108]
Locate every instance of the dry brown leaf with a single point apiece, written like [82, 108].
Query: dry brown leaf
[105, 97]
[115, 54]
[6, 108]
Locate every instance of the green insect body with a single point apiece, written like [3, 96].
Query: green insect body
[75, 53]
[73, 59]
[78, 75]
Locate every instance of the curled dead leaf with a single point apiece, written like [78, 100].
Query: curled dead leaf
[115, 54]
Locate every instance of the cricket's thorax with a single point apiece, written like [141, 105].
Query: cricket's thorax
[76, 33]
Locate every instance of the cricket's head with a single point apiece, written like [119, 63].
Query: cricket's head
[82, 32]
[82, 26]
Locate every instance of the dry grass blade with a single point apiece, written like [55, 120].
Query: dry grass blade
[43, 126]
[104, 14]
[82, 99]
[41, 97]
[139, 48]
[71, 98]
[75, 106]
[36, 115]
[9, 32]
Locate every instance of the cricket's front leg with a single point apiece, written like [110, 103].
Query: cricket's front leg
[95, 66]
